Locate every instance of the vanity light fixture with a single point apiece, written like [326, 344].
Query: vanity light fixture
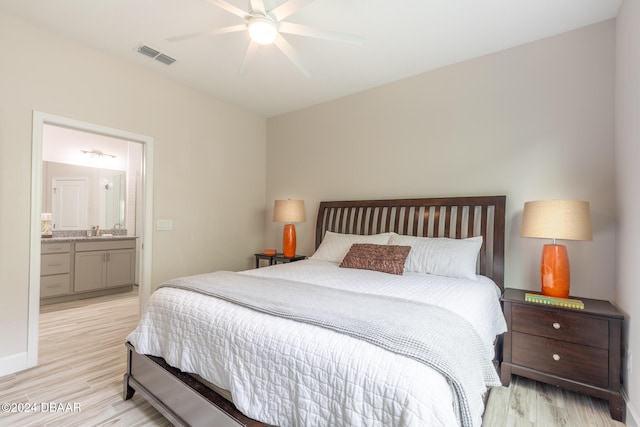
[97, 153]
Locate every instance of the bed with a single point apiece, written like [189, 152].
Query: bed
[235, 353]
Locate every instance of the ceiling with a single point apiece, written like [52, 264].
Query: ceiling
[401, 38]
[70, 146]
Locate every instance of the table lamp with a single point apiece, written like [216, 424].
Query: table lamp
[556, 219]
[288, 211]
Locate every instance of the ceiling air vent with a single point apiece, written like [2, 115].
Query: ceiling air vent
[165, 59]
[158, 56]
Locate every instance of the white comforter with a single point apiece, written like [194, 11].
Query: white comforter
[290, 374]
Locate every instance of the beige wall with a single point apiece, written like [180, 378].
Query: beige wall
[532, 122]
[628, 179]
[209, 160]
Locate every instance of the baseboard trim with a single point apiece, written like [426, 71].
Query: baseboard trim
[14, 363]
[632, 419]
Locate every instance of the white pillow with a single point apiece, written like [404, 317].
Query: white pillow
[335, 246]
[441, 256]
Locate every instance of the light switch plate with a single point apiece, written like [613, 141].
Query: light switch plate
[164, 224]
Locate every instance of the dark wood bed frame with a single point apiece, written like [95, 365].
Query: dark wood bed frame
[186, 401]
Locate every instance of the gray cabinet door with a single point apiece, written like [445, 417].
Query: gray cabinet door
[90, 271]
[120, 267]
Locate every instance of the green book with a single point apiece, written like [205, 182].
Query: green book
[560, 302]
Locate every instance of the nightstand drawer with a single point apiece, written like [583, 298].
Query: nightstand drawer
[571, 361]
[561, 325]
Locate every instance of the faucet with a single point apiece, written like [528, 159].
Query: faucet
[97, 231]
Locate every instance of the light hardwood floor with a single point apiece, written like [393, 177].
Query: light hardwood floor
[82, 360]
[527, 403]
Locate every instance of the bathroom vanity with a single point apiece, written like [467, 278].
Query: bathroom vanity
[83, 267]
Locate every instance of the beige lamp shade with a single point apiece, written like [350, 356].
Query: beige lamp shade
[288, 211]
[557, 219]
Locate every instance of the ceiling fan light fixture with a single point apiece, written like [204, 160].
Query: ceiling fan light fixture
[262, 29]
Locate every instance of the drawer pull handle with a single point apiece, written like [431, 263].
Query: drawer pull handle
[55, 264]
[556, 325]
[556, 357]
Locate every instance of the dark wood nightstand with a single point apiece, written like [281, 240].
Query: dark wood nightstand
[578, 350]
[277, 259]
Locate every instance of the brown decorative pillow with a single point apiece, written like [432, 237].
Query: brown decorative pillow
[384, 258]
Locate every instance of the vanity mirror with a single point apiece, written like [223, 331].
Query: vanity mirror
[81, 197]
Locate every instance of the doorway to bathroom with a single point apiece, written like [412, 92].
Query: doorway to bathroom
[117, 168]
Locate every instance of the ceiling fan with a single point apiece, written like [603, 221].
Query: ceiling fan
[267, 27]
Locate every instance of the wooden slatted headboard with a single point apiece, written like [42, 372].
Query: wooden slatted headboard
[453, 217]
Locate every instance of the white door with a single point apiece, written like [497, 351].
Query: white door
[69, 203]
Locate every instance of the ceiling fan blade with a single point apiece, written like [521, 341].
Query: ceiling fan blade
[290, 53]
[229, 29]
[221, 30]
[288, 8]
[248, 56]
[303, 30]
[229, 8]
[257, 6]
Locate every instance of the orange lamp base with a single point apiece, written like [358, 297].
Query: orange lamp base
[554, 271]
[289, 241]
